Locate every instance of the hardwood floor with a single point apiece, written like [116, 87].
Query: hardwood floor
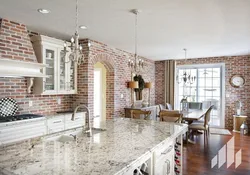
[197, 157]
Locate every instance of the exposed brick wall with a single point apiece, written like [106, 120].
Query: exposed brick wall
[47, 104]
[118, 74]
[233, 65]
[159, 79]
[15, 42]
[115, 61]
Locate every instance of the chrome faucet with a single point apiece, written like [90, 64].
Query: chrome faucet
[88, 129]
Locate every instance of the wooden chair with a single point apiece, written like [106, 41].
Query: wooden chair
[170, 116]
[202, 125]
[137, 113]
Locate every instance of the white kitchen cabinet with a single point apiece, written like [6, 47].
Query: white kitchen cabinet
[19, 132]
[78, 122]
[55, 124]
[62, 74]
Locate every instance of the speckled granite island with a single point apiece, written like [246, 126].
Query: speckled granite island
[127, 146]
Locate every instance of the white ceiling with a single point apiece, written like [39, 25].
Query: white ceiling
[205, 27]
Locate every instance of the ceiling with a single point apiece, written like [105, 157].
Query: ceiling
[205, 27]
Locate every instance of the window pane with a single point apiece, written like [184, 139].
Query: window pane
[209, 82]
[208, 92]
[201, 92]
[208, 72]
[201, 73]
[216, 92]
[216, 82]
[216, 72]
[201, 82]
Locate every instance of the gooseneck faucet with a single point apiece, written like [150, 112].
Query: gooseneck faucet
[88, 129]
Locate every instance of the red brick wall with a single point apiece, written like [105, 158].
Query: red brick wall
[47, 104]
[159, 78]
[15, 44]
[118, 74]
[233, 65]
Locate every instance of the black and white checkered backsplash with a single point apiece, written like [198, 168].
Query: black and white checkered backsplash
[8, 107]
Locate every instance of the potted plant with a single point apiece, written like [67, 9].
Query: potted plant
[141, 83]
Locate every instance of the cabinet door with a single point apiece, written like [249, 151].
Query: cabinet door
[67, 72]
[62, 72]
[50, 59]
[72, 77]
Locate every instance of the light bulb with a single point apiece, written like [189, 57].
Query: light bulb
[72, 39]
[65, 44]
[80, 47]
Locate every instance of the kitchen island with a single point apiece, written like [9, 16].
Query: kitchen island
[125, 147]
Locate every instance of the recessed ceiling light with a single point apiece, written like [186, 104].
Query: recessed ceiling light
[43, 11]
[82, 27]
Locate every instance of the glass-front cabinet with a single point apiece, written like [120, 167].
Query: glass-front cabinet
[67, 74]
[50, 70]
[61, 73]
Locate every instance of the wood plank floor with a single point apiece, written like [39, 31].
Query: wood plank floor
[197, 157]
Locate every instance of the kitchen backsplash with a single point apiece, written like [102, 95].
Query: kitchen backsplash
[41, 104]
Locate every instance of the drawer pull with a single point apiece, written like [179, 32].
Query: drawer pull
[168, 166]
[57, 121]
[168, 149]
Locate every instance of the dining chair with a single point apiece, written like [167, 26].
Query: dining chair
[169, 106]
[162, 107]
[202, 125]
[194, 105]
[171, 116]
[137, 113]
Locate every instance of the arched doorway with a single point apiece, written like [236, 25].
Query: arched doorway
[108, 62]
[99, 92]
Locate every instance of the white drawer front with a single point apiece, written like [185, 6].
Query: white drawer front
[78, 121]
[16, 133]
[55, 124]
[163, 149]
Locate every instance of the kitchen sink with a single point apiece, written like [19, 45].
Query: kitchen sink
[62, 138]
[73, 135]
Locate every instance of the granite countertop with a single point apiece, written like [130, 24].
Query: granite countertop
[106, 152]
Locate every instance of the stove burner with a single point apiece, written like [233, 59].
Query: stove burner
[19, 117]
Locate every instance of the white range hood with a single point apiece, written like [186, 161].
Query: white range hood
[15, 68]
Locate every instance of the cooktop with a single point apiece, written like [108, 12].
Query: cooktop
[19, 117]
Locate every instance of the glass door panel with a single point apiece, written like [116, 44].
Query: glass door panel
[62, 72]
[50, 56]
[207, 90]
[72, 75]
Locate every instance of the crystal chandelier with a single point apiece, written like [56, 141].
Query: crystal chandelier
[137, 65]
[185, 78]
[76, 54]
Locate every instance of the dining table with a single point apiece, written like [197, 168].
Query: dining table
[193, 115]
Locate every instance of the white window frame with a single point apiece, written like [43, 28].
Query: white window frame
[223, 84]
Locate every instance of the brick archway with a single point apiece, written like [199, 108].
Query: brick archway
[109, 64]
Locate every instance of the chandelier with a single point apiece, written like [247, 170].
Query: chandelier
[185, 78]
[76, 54]
[137, 64]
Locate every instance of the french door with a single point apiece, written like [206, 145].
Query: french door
[206, 86]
